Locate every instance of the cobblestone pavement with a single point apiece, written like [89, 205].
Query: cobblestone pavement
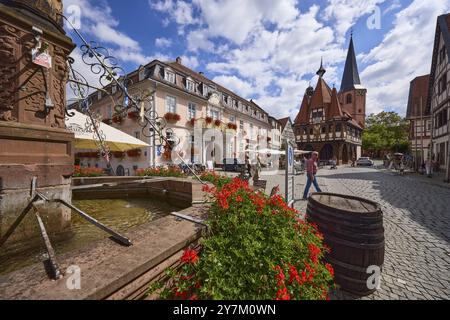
[417, 228]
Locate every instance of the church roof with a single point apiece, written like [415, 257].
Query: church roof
[350, 79]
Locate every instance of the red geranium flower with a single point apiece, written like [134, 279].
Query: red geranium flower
[190, 256]
[283, 294]
[330, 269]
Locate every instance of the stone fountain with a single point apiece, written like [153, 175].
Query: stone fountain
[36, 149]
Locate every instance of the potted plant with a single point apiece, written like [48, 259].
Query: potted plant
[192, 122]
[217, 123]
[209, 120]
[232, 126]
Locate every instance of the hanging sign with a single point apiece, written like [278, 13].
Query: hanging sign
[290, 175]
[42, 59]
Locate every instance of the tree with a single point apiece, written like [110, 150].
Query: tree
[385, 132]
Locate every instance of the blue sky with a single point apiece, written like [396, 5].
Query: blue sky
[269, 50]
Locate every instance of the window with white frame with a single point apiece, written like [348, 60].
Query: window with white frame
[214, 113]
[241, 125]
[169, 76]
[232, 119]
[171, 104]
[192, 110]
[190, 86]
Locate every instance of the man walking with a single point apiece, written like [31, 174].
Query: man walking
[311, 171]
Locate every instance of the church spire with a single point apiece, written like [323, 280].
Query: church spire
[351, 75]
[321, 70]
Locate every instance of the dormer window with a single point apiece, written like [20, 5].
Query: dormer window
[169, 76]
[190, 86]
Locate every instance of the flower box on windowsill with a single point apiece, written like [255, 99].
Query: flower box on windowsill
[269, 139]
[133, 115]
[217, 123]
[192, 122]
[172, 117]
[134, 153]
[232, 126]
[118, 154]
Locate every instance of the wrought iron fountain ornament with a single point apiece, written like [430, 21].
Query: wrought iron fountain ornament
[106, 66]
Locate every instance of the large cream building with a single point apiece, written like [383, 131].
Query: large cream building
[209, 123]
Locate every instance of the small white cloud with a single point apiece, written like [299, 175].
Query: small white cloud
[163, 42]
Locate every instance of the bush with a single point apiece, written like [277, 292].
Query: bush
[256, 249]
[215, 179]
[161, 172]
[87, 172]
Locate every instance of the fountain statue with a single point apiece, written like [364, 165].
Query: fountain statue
[35, 145]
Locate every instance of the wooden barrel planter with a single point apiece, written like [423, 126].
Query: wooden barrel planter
[353, 229]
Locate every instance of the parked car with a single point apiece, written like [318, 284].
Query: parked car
[364, 161]
[233, 164]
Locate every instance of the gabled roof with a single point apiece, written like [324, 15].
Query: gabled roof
[418, 90]
[283, 122]
[334, 111]
[350, 79]
[442, 26]
[303, 115]
[321, 96]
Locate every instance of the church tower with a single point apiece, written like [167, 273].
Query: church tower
[352, 94]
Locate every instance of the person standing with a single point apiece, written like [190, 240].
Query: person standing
[429, 167]
[311, 171]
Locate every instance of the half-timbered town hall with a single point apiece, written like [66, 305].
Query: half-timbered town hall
[332, 122]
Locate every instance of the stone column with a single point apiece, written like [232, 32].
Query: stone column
[34, 141]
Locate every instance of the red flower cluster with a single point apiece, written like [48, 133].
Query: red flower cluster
[87, 172]
[190, 256]
[330, 269]
[314, 253]
[283, 294]
[172, 117]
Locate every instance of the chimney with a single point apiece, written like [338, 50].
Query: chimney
[179, 60]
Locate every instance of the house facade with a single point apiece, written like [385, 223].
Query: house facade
[438, 104]
[206, 121]
[419, 119]
[287, 130]
[332, 122]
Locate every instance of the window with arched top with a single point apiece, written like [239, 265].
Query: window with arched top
[349, 99]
